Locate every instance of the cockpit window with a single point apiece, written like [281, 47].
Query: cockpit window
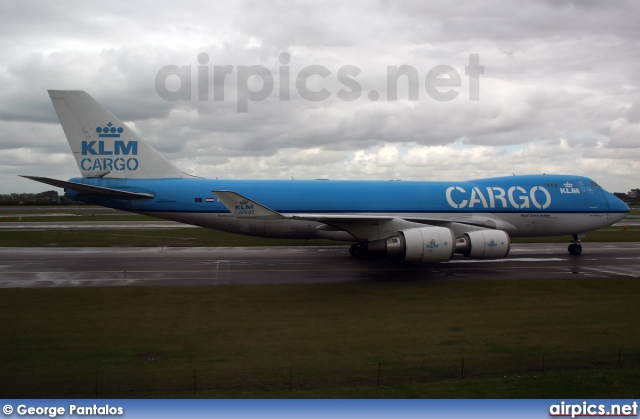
[595, 185]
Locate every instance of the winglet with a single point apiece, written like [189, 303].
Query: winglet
[242, 207]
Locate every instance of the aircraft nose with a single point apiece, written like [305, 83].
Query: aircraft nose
[617, 207]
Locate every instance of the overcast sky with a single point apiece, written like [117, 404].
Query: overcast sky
[558, 93]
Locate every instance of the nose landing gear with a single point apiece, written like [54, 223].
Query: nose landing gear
[575, 248]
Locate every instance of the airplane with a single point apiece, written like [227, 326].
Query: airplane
[404, 221]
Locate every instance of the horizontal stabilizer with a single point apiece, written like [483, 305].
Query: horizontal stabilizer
[243, 207]
[90, 189]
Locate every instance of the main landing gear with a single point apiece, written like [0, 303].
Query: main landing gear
[358, 251]
[575, 248]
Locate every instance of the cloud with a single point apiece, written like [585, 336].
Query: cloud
[558, 93]
[633, 115]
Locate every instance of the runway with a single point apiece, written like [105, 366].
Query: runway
[73, 267]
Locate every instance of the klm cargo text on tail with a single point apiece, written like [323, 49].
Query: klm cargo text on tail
[109, 148]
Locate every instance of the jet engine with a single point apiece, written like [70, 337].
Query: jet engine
[484, 244]
[426, 244]
[438, 244]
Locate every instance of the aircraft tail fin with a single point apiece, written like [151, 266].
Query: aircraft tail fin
[102, 144]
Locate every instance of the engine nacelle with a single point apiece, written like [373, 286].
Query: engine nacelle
[484, 244]
[426, 244]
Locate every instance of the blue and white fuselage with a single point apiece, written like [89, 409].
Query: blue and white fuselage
[417, 221]
[535, 205]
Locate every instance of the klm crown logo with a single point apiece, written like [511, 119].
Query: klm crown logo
[243, 202]
[432, 245]
[109, 131]
[569, 189]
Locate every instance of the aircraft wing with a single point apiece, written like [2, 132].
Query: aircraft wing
[358, 225]
[331, 218]
[90, 189]
[243, 207]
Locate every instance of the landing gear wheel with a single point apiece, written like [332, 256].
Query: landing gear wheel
[358, 251]
[353, 250]
[575, 249]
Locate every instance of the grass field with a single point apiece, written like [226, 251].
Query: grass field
[76, 218]
[325, 340]
[12, 210]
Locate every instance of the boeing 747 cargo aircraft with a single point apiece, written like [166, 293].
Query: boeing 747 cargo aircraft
[412, 221]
